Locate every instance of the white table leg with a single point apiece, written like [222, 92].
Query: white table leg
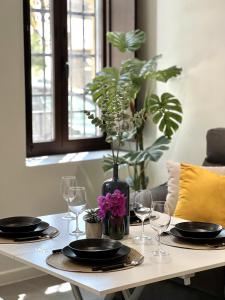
[134, 295]
[76, 292]
[126, 293]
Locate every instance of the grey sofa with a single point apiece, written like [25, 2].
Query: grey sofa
[207, 285]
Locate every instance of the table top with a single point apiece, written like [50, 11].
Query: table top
[182, 261]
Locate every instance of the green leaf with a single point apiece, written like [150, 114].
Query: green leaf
[152, 153]
[149, 68]
[108, 162]
[165, 75]
[129, 41]
[132, 66]
[166, 112]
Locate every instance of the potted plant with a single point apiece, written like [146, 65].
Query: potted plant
[123, 119]
[93, 223]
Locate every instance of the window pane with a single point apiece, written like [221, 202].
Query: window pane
[41, 72]
[75, 5]
[42, 115]
[76, 78]
[83, 58]
[75, 33]
[35, 4]
[89, 6]
[89, 35]
[89, 69]
[76, 125]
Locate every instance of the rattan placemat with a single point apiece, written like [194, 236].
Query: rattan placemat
[49, 233]
[61, 262]
[170, 240]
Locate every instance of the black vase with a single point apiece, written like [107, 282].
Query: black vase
[110, 186]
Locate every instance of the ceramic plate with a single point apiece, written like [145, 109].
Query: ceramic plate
[39, 229]
[95, 248]
[117, 257]
[219, 238]
[198, 229]
[19, 223]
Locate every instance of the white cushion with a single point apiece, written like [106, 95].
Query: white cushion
[173, 184]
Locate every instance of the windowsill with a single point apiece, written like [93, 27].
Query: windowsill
[66, 158]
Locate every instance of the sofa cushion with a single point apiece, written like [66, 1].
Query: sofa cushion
[173, 184]
[201, 195]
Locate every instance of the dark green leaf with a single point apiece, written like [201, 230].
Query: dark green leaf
[166, 112]
[165, 75]
[149, 67]
[129, 41]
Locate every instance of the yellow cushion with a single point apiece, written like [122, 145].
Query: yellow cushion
[201, 195]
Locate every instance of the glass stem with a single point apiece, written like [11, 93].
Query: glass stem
[142, 229]
[159, 242]
[77, 226]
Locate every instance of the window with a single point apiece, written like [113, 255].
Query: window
[64, 42]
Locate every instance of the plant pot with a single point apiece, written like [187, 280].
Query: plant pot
[93, 230]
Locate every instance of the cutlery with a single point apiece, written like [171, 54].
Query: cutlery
[133, 262]
[32, 238]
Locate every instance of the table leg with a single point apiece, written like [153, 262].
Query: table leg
[134, 295]
[76, 292]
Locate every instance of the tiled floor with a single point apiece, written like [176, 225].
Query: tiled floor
[41, 288]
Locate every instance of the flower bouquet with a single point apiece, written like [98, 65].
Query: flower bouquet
[112, 209]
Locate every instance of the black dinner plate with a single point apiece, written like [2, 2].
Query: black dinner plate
[116, 258]
[198, 229]
[39, 229]
[219, 238]
[95, 248]
[19, 223]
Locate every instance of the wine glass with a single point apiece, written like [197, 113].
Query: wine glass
[142, 207]
[65, 184]
[160, 224]
[77, 204]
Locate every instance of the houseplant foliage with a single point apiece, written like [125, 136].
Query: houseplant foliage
[93, 223]
[123, 118]
[92, 215]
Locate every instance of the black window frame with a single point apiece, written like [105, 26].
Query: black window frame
[110, 22]
[61, 144]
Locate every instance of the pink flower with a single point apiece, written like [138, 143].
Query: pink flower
[113, 203]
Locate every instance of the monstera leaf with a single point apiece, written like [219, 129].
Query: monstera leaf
[126, 41]
[165, 75]
[149, 68]
[166, 112]
[132, 158]
[152, 153]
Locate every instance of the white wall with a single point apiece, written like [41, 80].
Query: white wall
[189, 34]
[27, 190]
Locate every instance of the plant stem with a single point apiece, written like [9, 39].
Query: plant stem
[142, 165]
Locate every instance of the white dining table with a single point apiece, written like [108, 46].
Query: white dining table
[182, 263]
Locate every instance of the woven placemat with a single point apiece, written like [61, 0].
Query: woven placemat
[49, 233]
[170, 240]
[61, 262]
